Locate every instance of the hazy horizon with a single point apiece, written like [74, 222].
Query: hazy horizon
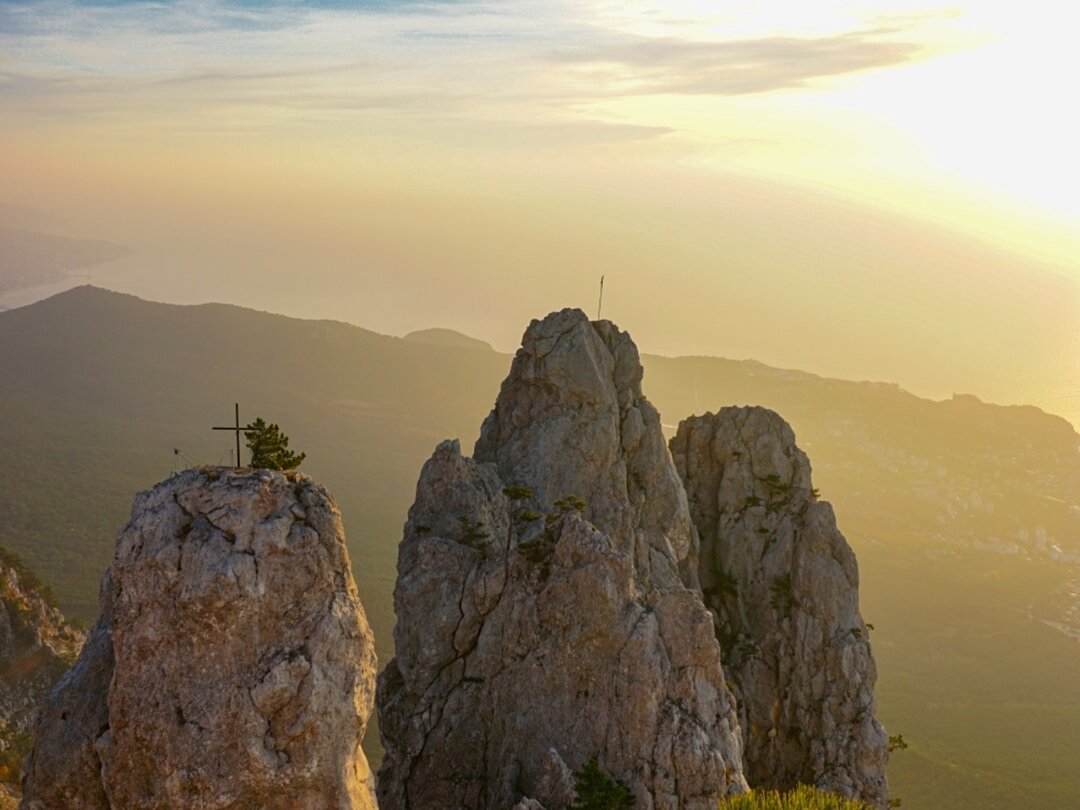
[26, 296]
[861, 190]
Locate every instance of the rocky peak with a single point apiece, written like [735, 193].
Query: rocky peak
[783, 586]
[571, 418]
[541, 619]
[232, 665]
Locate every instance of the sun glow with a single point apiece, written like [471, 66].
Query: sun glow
[977, 131]
[779, 151]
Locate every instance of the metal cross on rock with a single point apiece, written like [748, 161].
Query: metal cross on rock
[238, 430]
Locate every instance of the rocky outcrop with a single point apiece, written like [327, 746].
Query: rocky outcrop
[783, 586]
[37, 645]
[232, 666]
[542, 617]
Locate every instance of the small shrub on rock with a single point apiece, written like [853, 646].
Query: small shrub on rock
[598, 791]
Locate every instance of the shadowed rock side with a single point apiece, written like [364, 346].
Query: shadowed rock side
[541, 618]
[36, 647]
[783, 586]
[232, 666]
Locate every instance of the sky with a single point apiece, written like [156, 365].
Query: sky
[877, 190]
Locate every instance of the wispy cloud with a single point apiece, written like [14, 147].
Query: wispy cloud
[515, 64]
[653, 65]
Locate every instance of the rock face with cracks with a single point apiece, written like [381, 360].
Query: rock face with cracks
[783, 586]
[232, 666]
[542, 615]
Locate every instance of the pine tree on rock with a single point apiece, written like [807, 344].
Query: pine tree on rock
[598, 791]
[270, 447]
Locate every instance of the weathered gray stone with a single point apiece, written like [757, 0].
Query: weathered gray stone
[232, 666]
[64, 770]
[571, 418]
[783, 586]
[555, 784]
[531, 634]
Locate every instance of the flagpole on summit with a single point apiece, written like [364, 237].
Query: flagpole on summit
[600, 304]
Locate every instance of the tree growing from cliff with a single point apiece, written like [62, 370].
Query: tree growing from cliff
[598, 791]
[270, 447]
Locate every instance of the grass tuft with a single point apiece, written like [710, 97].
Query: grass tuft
[803, 797]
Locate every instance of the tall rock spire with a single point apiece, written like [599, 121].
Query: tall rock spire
[542, 617]
[783, 586]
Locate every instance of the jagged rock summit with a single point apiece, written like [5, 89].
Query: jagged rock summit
[783, 586]
[232, 666]
[542, 617]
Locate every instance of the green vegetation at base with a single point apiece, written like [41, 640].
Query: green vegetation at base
[802, 798]
[944, 618]
[97, 388]
[598, 791]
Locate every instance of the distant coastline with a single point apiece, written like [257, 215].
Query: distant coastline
[24, 296]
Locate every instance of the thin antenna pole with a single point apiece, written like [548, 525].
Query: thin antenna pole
[600, 304]
[238, 435]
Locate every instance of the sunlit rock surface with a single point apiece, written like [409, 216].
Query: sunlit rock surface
[542, 615]
[783, 586]
[232, 666]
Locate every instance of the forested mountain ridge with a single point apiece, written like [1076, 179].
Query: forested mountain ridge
[99, 388]
[965, 472]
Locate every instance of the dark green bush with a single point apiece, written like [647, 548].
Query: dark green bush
[598, 791]
[570, 503]
[473, 532]
[516, 493]
[783, 599]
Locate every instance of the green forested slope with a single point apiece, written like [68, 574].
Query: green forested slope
[955, 508]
